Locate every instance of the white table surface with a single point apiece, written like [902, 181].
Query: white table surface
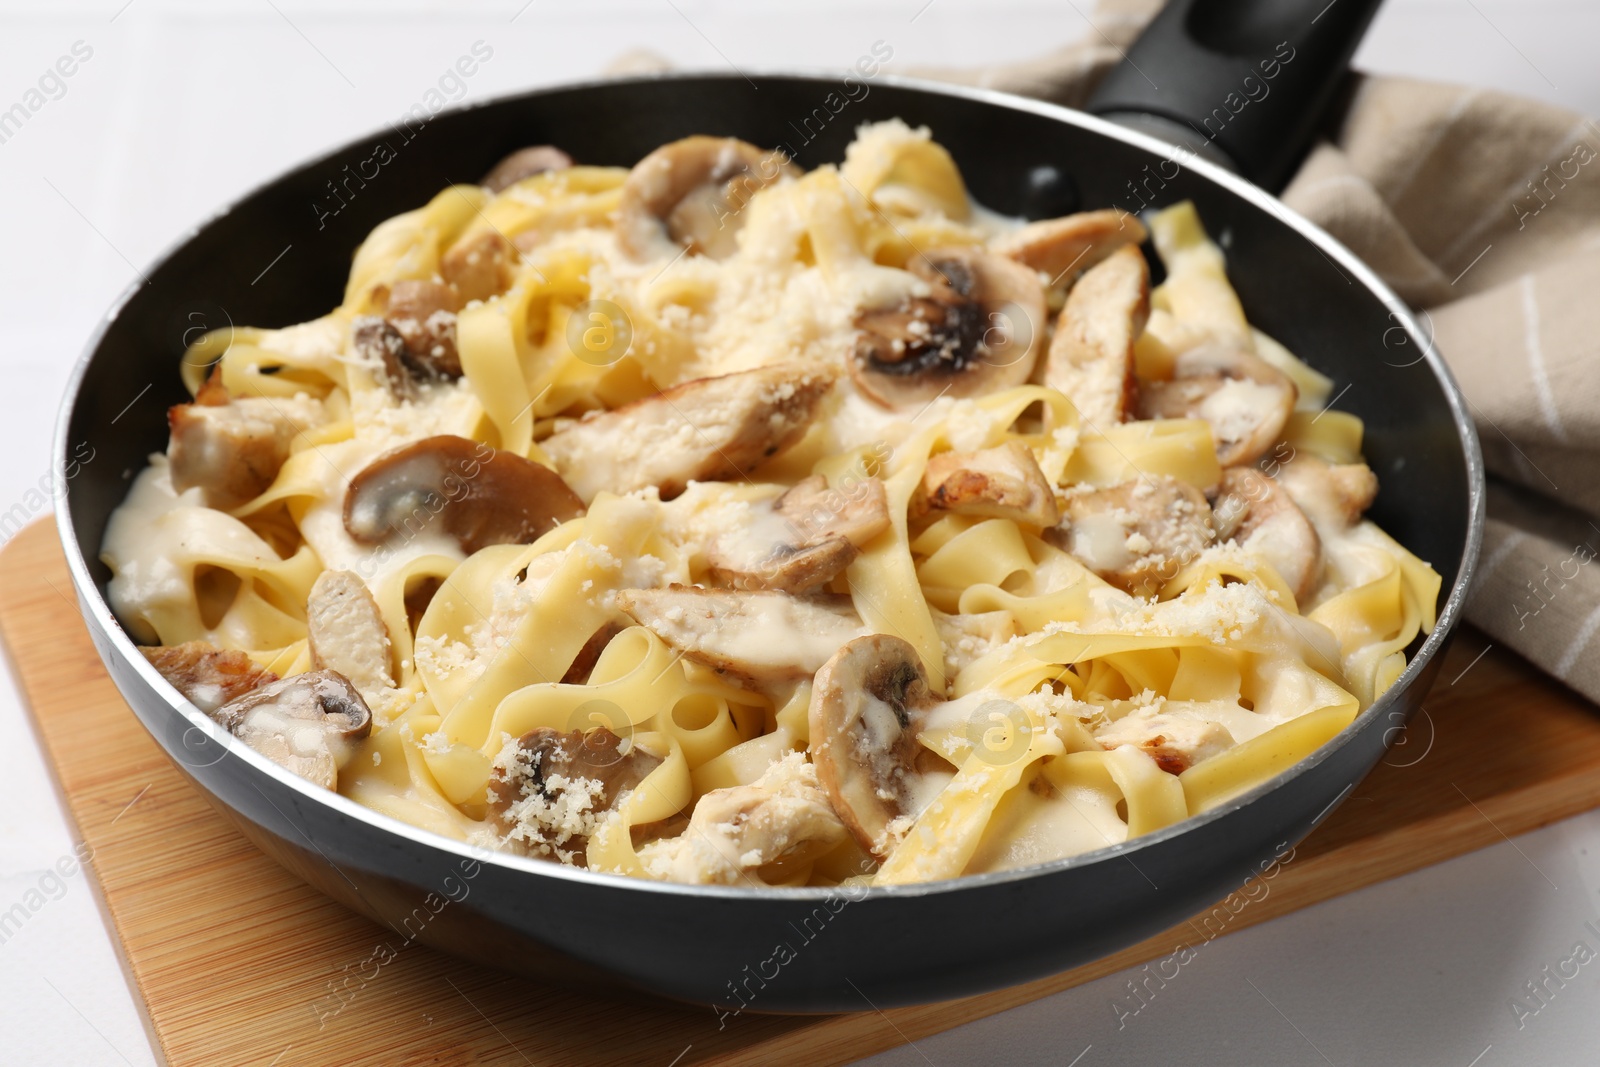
[182, 106]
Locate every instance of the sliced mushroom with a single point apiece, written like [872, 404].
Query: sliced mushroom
[413, 344]
[706, 430]
[1137, 535]
[209, 676]
[525, 163]
[782, 818]
[1004, 482]
[690, 195]
[980, 328]
[1333, 495]
[549, 791]
[308, 724]
[867, 704]
[1246, 400]
[1255, 511]
[762, 636]
[1053, 247]
[1091, 354]
[478, 495]
[803, 538]
[969, 637]
[346, 633]
[232, 449]
[1175, 741]
[479, 266]
[424, 312]
[583, 664]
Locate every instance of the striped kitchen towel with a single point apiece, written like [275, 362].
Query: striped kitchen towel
[1482, 210]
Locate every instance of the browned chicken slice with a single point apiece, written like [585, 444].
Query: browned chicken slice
[708, 430]
[209, 676]
[549, 791]
[1175, 742]
[1137, 535]
[233, 448]
[802, 539]
[1246, 400]
[346, 633]
[1257, 513]
[782, 818]
[1091, 354]
[1334, 495]
[1004, 482]
[763, 636]
[1056, 247]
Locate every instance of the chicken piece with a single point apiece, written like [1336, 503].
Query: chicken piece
[781, 818]
[1174, 740]
[1257, 513]
[764, 636]
[1137, 535]
[549, 791]
[209, 676]
[1333, 495]
[969, 637]
[1091, 354]
[1246, 400]
[710, 429]
[480, 266]
[233, 448]
[802, 539]
[1054, 247]
[997, 483]
[346, 633]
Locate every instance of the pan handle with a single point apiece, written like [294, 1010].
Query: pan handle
[1242, 82]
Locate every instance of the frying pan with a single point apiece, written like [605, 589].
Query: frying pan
[280, 256]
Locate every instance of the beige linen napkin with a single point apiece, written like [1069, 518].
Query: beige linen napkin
[1482, 210]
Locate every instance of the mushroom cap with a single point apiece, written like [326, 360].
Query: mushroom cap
[308, 724]
[1263, 518]
[549, 792]
[802, 539]
[1246, 400]
[866, 704]
[685, 194]
[980, 328]
[525, 163]
[482, 496]
[424, 313]
[1138, 534]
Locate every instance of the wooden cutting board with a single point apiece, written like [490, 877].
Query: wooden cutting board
[232, 955]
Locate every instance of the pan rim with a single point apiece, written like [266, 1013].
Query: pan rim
[98, 612]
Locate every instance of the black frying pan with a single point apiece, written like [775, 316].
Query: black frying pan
[722, 946]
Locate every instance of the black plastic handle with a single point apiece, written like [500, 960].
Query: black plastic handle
[1250, 78]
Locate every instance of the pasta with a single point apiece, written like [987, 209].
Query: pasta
[721, 522]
